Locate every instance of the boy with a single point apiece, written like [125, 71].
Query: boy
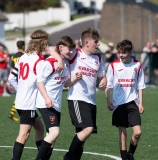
[26, 70]
[125, 76]
[82, 95]
[49, 98]
[21, 47]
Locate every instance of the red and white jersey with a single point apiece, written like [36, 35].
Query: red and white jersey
[54, 82]
[91, 67]
[26, 71]
[126, 80]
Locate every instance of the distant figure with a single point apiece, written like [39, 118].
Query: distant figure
[144, 59]
[4, 72]
[110, 55]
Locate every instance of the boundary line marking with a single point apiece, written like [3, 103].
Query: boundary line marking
[63, 150]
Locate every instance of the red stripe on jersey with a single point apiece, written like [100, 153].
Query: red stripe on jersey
[139, 66]
[98, 57]
[39, 59]
[52, 60]
[78, 49]
[112, 64]
[73, 59]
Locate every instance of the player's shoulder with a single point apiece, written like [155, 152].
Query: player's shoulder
[117, 61]
[18, 54]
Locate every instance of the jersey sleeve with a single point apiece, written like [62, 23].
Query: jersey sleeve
[109, 76]
[13, 76]
[141, 79]
[44, 71]
[101, 71]
[12, 62]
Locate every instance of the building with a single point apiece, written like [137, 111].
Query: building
[127, 19]
[77, 4]
[3, 19]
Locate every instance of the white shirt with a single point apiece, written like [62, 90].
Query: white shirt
[53, 81]
[91, 67]
[126, 80]
[26, 69]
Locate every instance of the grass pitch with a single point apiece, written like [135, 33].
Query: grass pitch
[105, 142]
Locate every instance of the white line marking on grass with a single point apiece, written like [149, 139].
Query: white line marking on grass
[63, 150]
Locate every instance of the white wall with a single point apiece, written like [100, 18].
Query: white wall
[2, 32]
[42, 17]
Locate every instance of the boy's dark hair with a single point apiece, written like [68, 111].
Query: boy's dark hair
[20, 44]
[125, 46]
[89, 33]
[65, 41]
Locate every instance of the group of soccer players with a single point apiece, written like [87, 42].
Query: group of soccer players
[39, 84]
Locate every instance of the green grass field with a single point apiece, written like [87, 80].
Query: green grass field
[105, 142]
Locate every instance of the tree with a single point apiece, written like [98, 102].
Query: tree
[15, 6]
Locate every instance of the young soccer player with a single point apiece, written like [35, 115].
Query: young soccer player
[26, 71]
[82, 94]
[21, 47]
[49, 99]
[125, 76]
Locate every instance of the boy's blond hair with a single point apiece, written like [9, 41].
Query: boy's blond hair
[89, 33]
[38, 42]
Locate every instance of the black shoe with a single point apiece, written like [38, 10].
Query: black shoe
[130, 156]
[68, 156]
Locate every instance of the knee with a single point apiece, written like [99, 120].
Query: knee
[23, 137]
[137, 134]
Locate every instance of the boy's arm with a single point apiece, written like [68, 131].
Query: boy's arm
[140, 103]
[53, 53]
[44, 69]
[109, 103]
[42, 89]
[13, 79]
[73, 79]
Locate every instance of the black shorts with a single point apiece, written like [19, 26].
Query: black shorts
[51, 117]
[126, 115]
[82, 114]
[27, 116]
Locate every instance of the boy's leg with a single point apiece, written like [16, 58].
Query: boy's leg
[134, 141]
[51, 120]
[20, 141]
[77, 143]
[122, 142]
[12, 113]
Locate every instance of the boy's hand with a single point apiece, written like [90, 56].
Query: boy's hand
[78, 75]
[48, 102]
[110, 105]
[141, 109]
[102, 84]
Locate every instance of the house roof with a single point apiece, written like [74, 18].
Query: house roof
[3, 17]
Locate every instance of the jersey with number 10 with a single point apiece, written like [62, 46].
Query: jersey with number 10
[26, 70]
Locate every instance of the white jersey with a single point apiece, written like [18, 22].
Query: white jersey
[90, 67]
[54, 82]
[126, 80]
[26, 71]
